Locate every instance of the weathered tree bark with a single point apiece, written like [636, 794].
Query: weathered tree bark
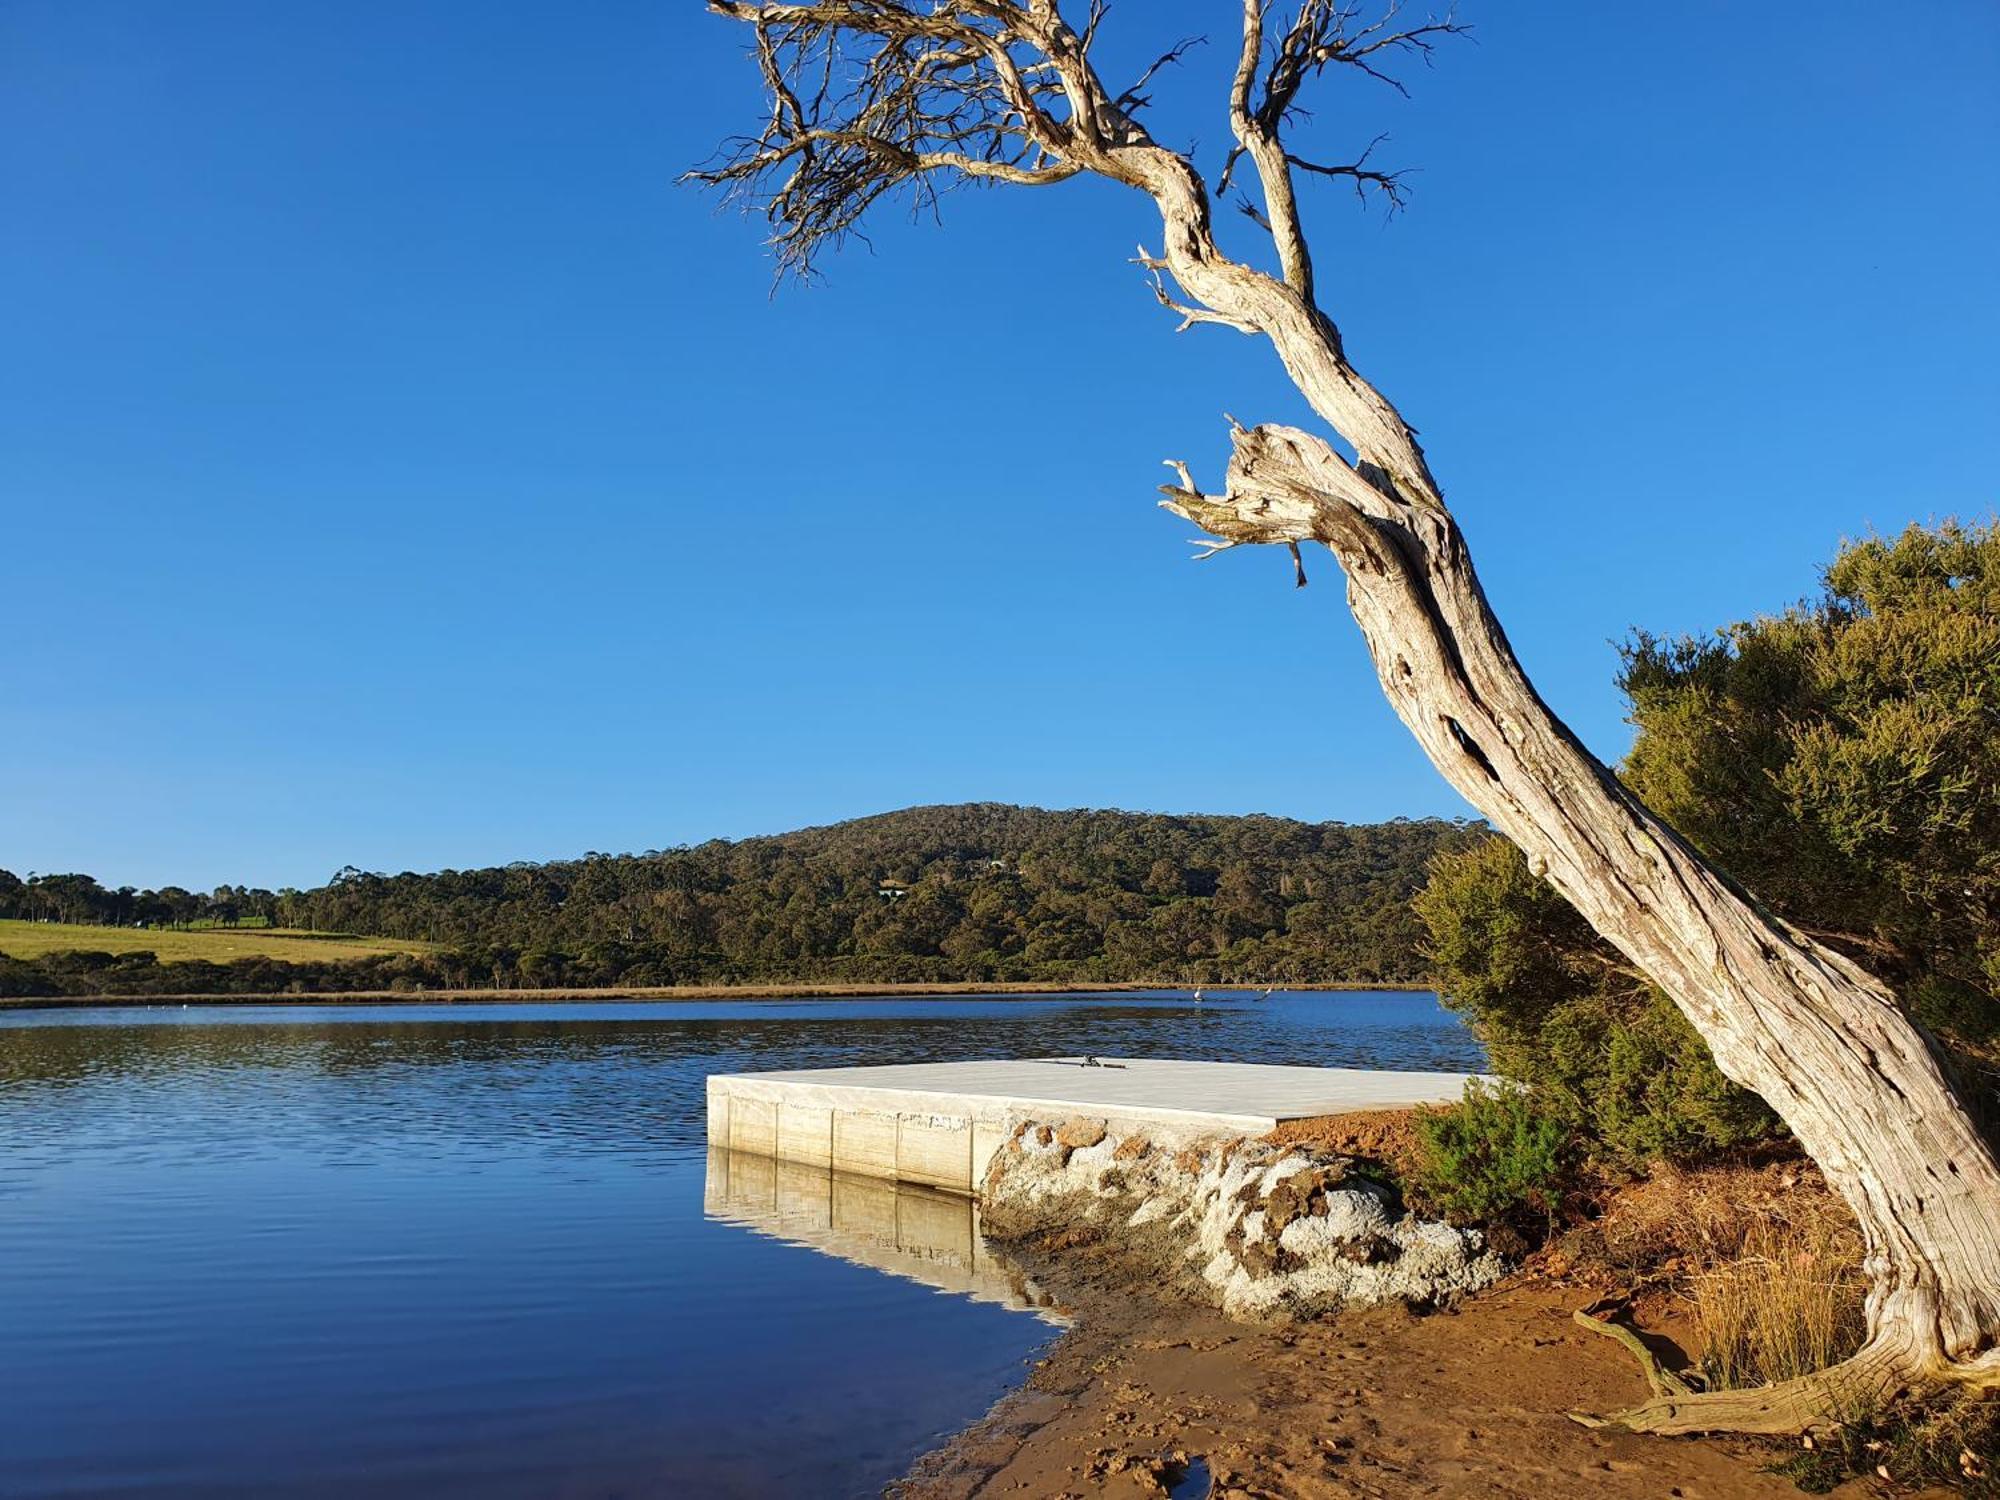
[1006, 90]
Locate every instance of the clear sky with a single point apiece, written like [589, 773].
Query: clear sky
[398, 468]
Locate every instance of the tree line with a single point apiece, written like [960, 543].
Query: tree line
[979, 892]
[82, 900]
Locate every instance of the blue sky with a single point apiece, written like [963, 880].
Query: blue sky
[398, 468]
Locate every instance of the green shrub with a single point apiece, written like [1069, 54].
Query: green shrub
[1838, 760]
[1559, 1010]
[1496, 1157]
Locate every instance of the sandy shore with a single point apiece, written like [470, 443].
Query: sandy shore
[807, 991]
[1379, 1403]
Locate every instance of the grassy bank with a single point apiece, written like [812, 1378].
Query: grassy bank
[32, 940]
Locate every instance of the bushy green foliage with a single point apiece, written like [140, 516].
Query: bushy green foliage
[1495, 1156]
[1604, 1052]
[1841, 761]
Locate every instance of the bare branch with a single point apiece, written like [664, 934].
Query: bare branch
[1319, 38]
[1189, 315]
[1134, 98]
[1363, 176]
[1248, 512]
[872, 96]
[1241, 121]
[1257, 138]
[1321, 35]
[1253, 213]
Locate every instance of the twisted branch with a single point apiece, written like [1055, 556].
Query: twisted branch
[869, 97]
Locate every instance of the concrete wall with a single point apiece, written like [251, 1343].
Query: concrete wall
[939, 1124]
[935, 1150]
[948, 1151]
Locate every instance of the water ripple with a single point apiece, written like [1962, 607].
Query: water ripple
[461, 1250]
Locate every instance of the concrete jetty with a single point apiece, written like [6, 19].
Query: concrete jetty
[940, 1123]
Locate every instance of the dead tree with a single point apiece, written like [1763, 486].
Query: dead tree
[870, 98]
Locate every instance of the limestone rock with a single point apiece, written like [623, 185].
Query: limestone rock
[1265, 1231]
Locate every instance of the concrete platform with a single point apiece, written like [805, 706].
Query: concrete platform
[940, 1123]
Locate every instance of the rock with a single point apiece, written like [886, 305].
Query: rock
[1079, 1132]
[1262, 1229]
[1303, 1194]
[1259, 1258]
[1133, 1148]
[1372, 1251]
[1353, 1213]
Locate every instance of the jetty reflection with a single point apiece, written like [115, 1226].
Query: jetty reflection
[901, 1228]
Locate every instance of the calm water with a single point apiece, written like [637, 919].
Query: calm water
[462, 1251]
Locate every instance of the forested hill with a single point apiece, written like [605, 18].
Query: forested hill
[976, 892]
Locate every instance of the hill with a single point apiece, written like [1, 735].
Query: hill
[976, 892]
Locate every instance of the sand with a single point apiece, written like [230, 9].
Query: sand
[1379, 1403]
[1385, 1402]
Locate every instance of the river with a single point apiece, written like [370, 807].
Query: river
[420, 1250]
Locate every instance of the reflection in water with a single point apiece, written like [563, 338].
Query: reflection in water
[900, 1228]
[461, 1251]
[503, 1048]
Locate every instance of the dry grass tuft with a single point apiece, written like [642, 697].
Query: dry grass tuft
[1789, 1303]
[1756, 1268]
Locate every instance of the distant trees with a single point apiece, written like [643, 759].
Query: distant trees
[991, 893]
[80, 899]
